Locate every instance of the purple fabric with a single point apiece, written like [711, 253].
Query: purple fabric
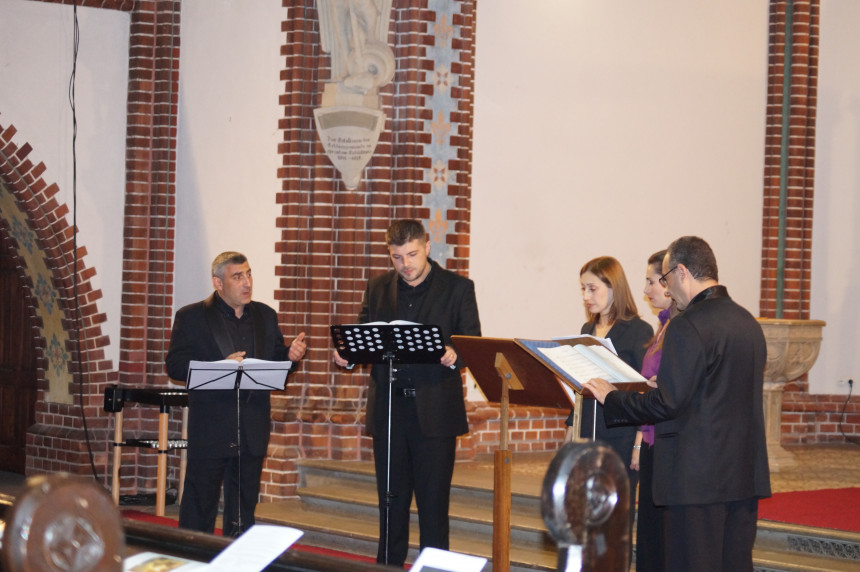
[650, 365]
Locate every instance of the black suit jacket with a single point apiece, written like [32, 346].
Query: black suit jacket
[709, 436]
[450, 304]
[198, 335]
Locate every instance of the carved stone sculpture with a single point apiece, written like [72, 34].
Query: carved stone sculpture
[354, 34]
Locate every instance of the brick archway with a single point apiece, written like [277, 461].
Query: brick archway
[43, 246]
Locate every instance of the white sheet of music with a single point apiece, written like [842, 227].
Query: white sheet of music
[585, 362]
[574, 363]
[221, 374]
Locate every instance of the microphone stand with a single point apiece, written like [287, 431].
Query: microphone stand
[367, 343]
[389, 357]
[237, 524]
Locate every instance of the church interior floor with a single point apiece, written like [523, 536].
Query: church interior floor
[828, 466]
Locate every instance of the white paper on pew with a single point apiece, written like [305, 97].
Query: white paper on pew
[255, 549]
[435, 560]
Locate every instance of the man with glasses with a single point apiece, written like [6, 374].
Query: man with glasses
[710, 456]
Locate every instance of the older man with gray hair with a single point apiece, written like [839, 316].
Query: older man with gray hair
[226, 325]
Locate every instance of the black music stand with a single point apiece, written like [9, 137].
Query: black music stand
[390, 343]
[229, 374]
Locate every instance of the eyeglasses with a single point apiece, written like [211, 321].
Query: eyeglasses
[662, 279]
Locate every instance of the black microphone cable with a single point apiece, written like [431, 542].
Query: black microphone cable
[76, 303]
[848, 438]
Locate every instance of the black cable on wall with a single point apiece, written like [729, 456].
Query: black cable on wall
[76, 302]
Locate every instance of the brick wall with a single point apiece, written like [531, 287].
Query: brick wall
[818, 418]
[148, 241]
[332, 238]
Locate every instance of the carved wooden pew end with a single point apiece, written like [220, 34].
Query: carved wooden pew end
[585, 504]
[62, 522]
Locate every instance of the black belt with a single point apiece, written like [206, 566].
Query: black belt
[404, 392]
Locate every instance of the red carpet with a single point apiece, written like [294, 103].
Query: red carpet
[146, 517]
[826, 508]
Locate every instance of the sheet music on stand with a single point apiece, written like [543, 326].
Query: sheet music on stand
[576, 360]
[375, 342]
[249, 373]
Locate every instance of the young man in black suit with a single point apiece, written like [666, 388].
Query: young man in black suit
[428, 411]
[227, 325]
[710, 456]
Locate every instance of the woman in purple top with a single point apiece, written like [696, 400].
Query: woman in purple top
[649, 523]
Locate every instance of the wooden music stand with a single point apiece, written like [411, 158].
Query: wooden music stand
[507, 373]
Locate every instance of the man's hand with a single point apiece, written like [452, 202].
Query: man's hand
[238, 356]
[339, 360]
[599, 388]
[449, 358]
[298, 347]
[652, 382]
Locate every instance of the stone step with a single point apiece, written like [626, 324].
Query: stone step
[526, 523]
[768, 561]
[359, 535]
[469, 482]
[337, 509]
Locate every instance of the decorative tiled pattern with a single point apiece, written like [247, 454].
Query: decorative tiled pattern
[828, 547]
[45, 293]
[58, 357]
[35, 264]
[25, 237]
[441, 105]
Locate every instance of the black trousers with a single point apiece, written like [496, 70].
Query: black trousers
[711, 538]
[649, 519]
[203, 480]
[420, 465]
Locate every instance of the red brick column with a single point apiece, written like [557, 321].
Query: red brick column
[150, 191]
[148, 242]
[800, 172]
